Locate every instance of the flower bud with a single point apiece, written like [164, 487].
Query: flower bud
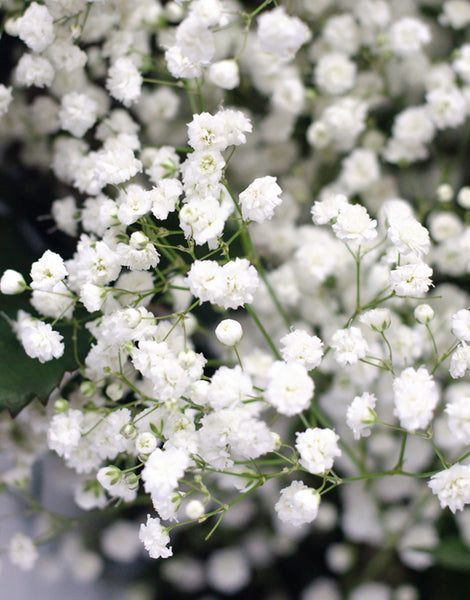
[12, 282]
[115, 391]
[229, 332]
[423, 313]
[194, 509]
[88, 388]
[128, 431]
[444, 192]
[61, 405]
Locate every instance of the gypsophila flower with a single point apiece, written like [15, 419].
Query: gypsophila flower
[458, 412]
[361, 415]
[22, 552]
[416, 396]
[124, 81]
[260, 199]
[461, 325]
[411, 280]
[348, 346]
[460, 361]
[35, 27]
[354, 224]
[303, 348]
[281, 34]
[40, 341]
[452, 487]
[298, 504]
[155, 538]
[289, 388]
[318, 449]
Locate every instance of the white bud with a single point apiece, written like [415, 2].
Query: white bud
[61, 405]
[12, 282]
[229, 332]
[194, 509]
[128, 431]
[445, 192]
[423, 313]
[463, 197]
[115, 391]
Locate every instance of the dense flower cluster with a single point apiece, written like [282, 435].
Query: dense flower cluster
[266, 271]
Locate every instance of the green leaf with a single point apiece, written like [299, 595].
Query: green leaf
[451, 554]
[23, 379]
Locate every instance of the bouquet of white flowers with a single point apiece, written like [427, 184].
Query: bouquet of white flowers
[263, 323]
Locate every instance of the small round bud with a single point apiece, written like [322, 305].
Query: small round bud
[132, 481]
[138, 240]
[173, 12]
[88, 388]
[109, 476]
[145, 443]
[115, 391]
[128, 431]
[445, 192]
[463, 197]
[61, 405]
[423, 313]
[194, 509]
[229, 332]
[12, 282]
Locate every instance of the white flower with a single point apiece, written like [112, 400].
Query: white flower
[460, 361]
[36, 27]
[260, 199]
[225, 74]
[361, 415]
[206, 280]
[409, 237]
[335, 73]
[416, 396]
[408, 35]
[298, 504]
[155, 538]
[281, 34]
[124, 81]
[229, 332]
[461, 325]
[348, 346]
[47, 271]
[41, 341]
[228, 570]
[411, 280]
[452, 487]
[459, 418]
[78, 113]
[455, 13]
[22, 552]
[65, 431]
[360, 170]
[12, 282]
[34, 70]
[354, 224]
[303, 348]
[318, 449]
[289, 388]
[5, 98]
[162, 471]
[446, 106]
